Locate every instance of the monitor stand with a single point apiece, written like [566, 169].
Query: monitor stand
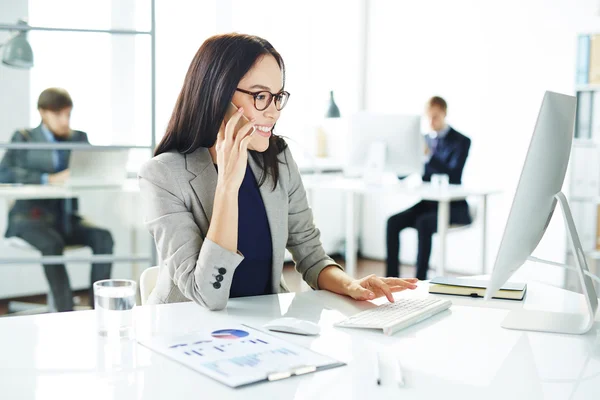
[560, 322]
[375, 165]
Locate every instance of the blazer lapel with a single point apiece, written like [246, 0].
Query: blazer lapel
[44, 158]
[204, 179]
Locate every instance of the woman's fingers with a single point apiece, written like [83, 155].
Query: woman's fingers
[408, 283]
[372, 286]
[244, 143]
[247, 129]
[221, 134]
[239, 158]
[245, 132]
[231, 124]
[383, 287]
[361, 293]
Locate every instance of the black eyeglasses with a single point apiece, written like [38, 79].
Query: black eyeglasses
[263, 99]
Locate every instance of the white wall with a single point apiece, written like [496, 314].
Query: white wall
[319, 42]
[492, 61]
[319, 48]
[181, 27]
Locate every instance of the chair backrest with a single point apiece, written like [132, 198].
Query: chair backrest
[148, 282]
[473, 212]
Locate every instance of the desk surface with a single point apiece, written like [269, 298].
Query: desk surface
[460, 353]
[20, 192]
[425, 190]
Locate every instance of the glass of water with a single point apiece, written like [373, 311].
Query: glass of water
[114, 300]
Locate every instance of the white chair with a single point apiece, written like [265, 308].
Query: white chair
[19, 307]
[459, 227]
[147, 283]
[472, 213]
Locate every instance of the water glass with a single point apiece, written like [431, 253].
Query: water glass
[114, 300]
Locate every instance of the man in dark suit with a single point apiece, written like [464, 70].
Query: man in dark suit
[51, 224]
[446, 153]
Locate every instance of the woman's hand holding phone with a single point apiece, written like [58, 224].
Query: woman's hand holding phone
[232, 158]
[232, 151]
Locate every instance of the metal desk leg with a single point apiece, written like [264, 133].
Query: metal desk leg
[483, 234]
[351, 246]
[442, 230]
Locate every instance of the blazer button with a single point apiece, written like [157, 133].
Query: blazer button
[219, 278]
[222, 271]
[217, 285]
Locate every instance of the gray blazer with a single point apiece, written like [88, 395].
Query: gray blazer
[178, 193]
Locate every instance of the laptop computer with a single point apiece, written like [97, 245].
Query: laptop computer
[97, 168]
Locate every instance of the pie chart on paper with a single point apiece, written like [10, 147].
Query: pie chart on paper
[229, 334]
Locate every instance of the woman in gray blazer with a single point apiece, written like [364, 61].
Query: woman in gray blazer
[223, 202]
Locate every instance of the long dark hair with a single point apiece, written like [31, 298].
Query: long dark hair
[217, 68]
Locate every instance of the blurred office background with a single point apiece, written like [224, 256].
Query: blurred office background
[491, 61]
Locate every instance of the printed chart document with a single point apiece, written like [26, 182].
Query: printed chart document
[240, 355]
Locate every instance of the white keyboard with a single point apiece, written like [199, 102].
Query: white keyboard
[392, 317]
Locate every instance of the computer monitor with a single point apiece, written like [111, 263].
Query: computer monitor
[538, 191]
[97, 168]
[401, 135]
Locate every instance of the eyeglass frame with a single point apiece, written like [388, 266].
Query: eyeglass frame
[255, 94]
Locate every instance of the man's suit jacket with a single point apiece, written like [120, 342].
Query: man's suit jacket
[27, 166]
[450, 157]
[178, 192]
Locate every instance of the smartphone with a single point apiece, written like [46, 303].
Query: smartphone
[231, 110]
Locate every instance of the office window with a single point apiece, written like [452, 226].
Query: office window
[108, 76]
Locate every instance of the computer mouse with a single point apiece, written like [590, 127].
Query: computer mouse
[293, 325]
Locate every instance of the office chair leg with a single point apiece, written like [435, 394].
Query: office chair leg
[25, 308]
[50, 302]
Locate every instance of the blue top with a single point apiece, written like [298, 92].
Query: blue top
[60, 158]
[253, 276]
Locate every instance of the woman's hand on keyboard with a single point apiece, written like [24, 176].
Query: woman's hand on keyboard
[371, 287]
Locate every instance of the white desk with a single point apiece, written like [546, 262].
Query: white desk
[33, 192]
[462, 353]
[443, 195]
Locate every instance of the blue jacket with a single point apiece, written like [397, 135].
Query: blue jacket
[28, 166]
[449, 158]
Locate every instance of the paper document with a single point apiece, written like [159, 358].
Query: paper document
[239, 355]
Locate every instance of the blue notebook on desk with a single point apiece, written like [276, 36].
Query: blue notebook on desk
[475, 288]
[239, 355]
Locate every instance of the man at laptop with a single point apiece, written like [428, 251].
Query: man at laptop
[51, 224]
[446, 153]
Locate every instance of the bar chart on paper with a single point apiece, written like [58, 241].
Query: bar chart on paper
[238, 356]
